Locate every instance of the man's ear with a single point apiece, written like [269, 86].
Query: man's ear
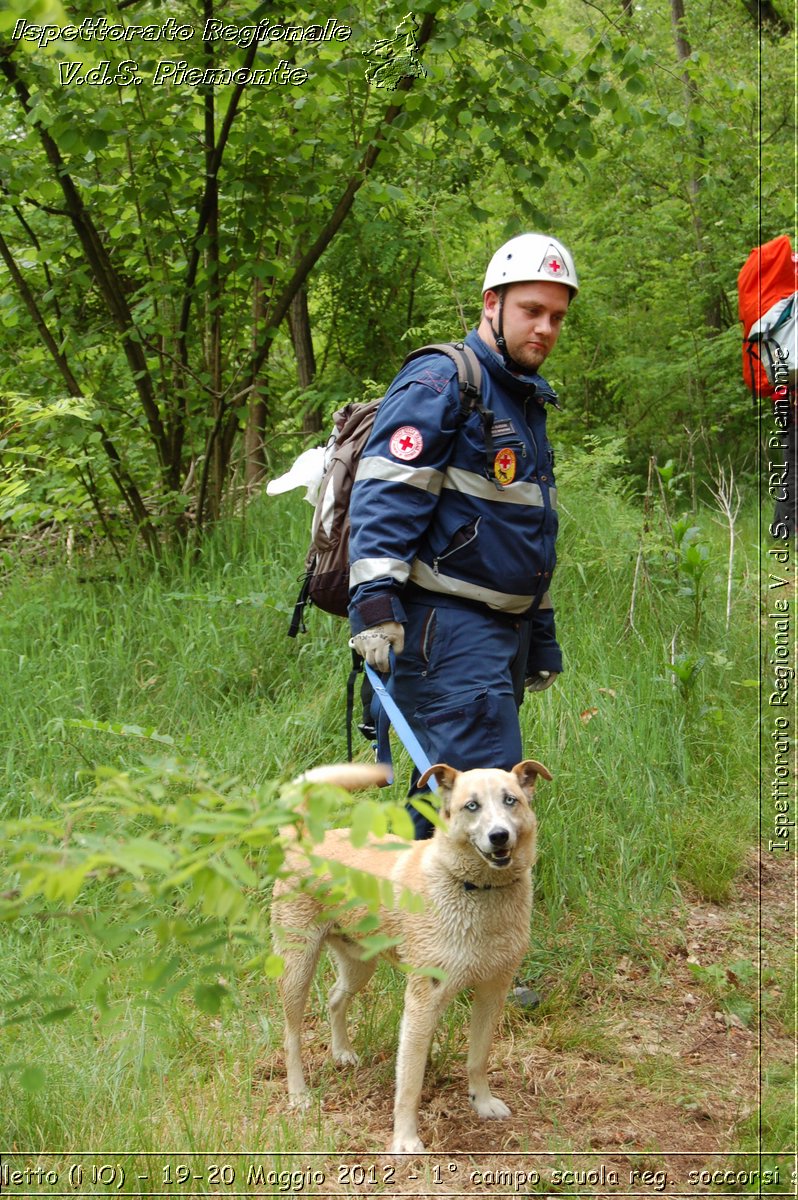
[490, 303]
[445, 776]
[527, 772]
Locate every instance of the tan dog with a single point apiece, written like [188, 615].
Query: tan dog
[475, 878]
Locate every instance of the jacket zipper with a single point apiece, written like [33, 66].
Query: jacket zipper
[518, 446]
[453, 549]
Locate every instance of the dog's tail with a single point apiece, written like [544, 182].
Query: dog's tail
[352, 776]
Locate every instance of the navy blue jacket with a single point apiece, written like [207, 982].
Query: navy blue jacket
[433, 517]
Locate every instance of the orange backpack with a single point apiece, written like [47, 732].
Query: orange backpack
[770, 274]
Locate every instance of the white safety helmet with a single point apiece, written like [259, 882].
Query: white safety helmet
[528, 257]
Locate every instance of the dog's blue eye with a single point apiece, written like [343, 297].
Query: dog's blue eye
[472, 806]
[510, 800]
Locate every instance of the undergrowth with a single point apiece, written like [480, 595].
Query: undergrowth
[119, 668]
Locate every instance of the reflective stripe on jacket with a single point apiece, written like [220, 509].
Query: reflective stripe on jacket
[425, 511]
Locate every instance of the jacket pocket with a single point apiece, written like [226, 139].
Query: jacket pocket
[428, 631]
[463, 538]
[474, 727]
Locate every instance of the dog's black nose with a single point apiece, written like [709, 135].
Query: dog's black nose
[498, 837]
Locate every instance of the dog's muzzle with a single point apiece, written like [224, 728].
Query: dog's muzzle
[499, 851]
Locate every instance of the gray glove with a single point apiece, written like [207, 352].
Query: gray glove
[375, 644]
[540, 680]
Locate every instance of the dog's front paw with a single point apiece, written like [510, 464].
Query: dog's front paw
[345, 1058]
[300, 1101]
[490, 1108]
[407, 1144]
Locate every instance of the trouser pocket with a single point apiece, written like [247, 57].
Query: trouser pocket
[470, 728]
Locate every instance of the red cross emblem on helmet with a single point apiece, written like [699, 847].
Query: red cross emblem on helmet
[554, 265]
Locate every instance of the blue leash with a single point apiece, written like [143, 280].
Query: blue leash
[397, 719]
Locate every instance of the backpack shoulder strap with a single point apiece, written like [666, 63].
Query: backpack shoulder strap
[469, 376]
[469, 370]
[753, 359]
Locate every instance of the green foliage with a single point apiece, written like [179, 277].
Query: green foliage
[167, 867]
[733, 987]
[686, 670]
[36, 11]
[192, 205]
[45, 453]
[692, 565]
[135, 888]
[565, 119]
[661, 224]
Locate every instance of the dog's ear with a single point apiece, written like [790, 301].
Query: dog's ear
[527, 772]
[445, 776]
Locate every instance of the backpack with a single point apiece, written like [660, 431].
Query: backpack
[326, 576]
[767, 287]
[776, 338]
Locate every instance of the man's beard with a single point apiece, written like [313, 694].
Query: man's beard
[527, 357]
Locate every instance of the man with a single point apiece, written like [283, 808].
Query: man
[453, 524]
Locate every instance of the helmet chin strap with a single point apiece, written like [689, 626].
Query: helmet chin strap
[501, 344]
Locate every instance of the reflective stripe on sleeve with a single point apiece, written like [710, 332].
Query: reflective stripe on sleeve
[376, 467]
[433, 581]
[367, 569]
[546, 601]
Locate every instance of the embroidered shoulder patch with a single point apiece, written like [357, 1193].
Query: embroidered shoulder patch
[433, 379]
[406, 443]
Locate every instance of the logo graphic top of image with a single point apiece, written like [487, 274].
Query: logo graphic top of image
[396, 58]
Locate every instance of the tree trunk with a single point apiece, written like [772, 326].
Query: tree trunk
[119, 473]
[214, 295]
[337, 217]
[98, 259]
[299, 325]
[254, 436]
[766, 16]
[683, 53]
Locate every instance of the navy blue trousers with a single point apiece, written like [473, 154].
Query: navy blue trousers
[460, 683]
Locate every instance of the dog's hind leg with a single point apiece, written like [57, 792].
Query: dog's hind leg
[352, 975]
[295, 982]
[485, 1013]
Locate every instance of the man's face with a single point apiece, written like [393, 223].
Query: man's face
[531, 319]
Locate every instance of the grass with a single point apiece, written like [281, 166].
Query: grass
[654, 792]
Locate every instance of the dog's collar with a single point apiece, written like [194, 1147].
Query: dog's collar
[468, 886]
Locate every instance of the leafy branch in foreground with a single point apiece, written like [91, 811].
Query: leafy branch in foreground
[183, 860]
